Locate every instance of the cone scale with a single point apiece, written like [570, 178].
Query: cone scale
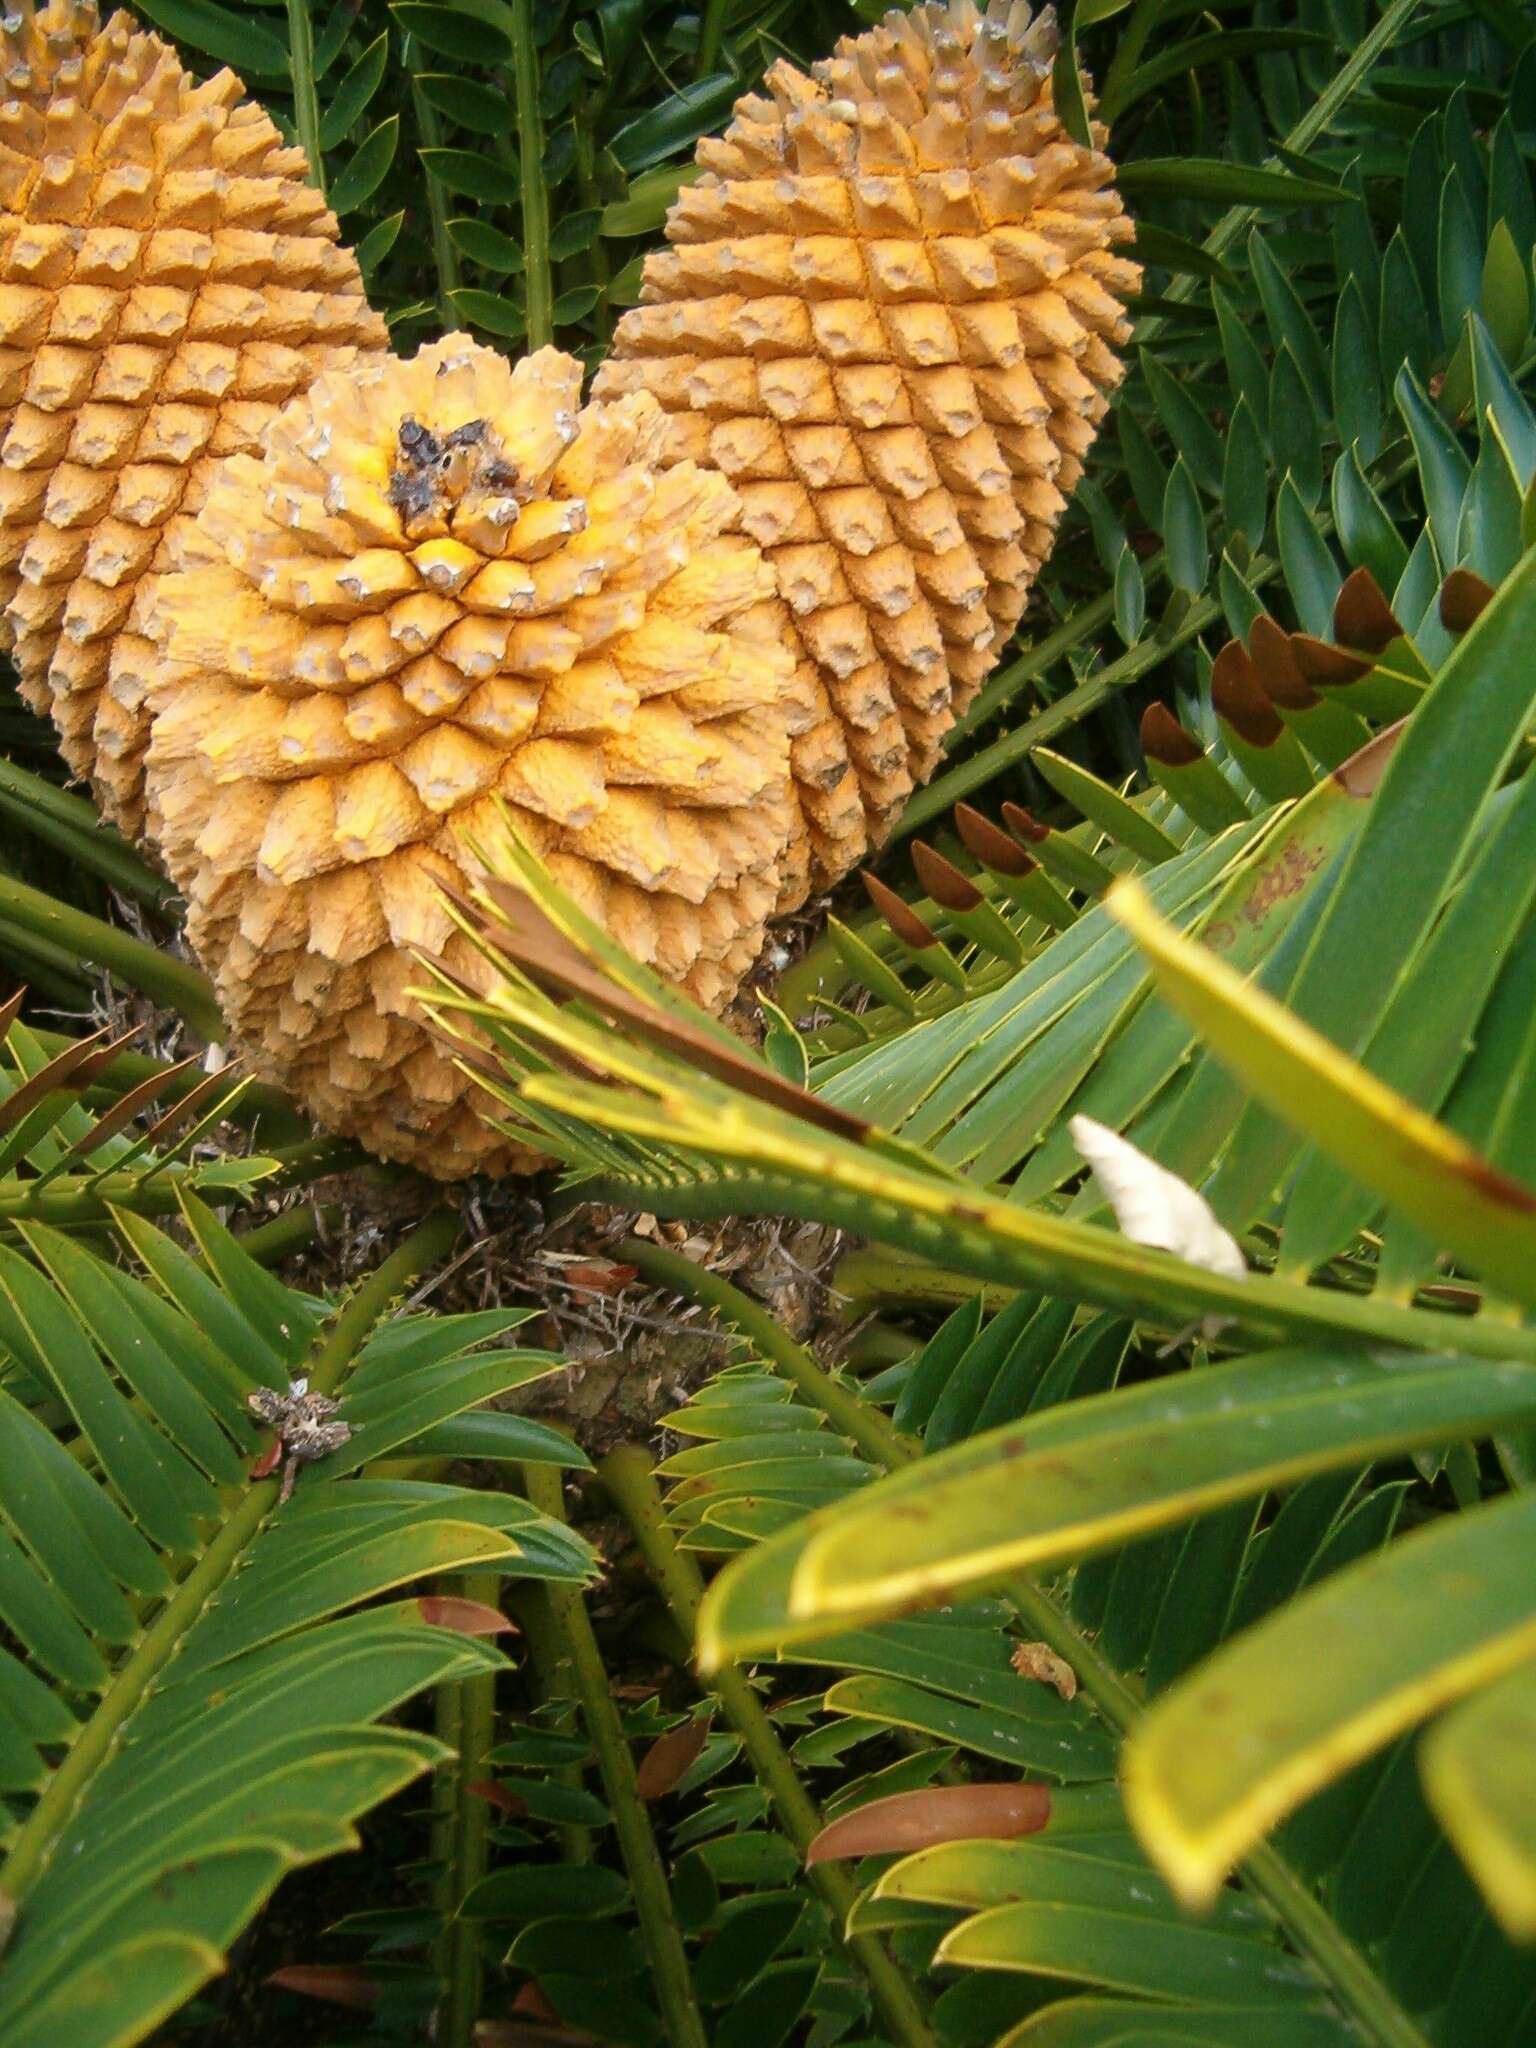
[888, 314]
[441, 600]
[167, 281]
[318, 623]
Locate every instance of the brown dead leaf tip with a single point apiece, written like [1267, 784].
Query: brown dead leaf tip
[1282, 681]
[1165, 741]
[599, 1276]
[1500, 1186]
[898, 914]
[943, 880]
[1024, 824]
[1239, 699]
[989, 844]
[1362, 617]
[1327, 666]
[1463, 596]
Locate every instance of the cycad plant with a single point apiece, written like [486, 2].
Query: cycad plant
[1110, 1620]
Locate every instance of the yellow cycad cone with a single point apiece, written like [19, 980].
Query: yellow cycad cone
[167, 281]
[442, 590]
[889, 315]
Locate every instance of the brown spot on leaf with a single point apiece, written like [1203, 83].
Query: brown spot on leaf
[502, 1797]
[269, 1460]
[531, 2000]
[1508, 1192]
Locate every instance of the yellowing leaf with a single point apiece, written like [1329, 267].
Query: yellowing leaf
[1428, 1173]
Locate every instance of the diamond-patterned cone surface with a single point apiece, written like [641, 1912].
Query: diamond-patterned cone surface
[167, 281]
[441, 595]
[889, 314]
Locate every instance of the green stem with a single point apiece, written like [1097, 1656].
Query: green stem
[128, 960]
[994, 1242]
[711, 34]
[72, 825]
[539, 298]
[473, 1715]
[1132, 41]
[312, 1159]
[35, 1842]
[445, 257]
[682, 2021]
[431, 1240]
[1308, 1925]
[591, 196]
[553, 1680]
[306, 93]
[447, 1721]
[862, 1425]
[872, 1279]
[294, 1231]
[628, 1476]
[45, 969]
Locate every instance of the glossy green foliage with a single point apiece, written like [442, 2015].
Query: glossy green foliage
[197, 1669]
[78, 1137]
[1074, 1924]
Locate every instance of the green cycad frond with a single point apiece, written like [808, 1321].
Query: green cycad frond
[189, 1702]
[1079, 1901]
[1276, 433]
[1143, 1462]
[73, 1146]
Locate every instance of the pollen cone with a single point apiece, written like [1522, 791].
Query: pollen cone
[167, 281]
[439, 591]
[889, 314]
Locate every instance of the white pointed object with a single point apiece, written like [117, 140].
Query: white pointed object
[1153, 1206]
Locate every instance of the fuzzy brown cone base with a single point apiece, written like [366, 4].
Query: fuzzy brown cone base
[167, 281]
[889, 316]
[444, 600]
